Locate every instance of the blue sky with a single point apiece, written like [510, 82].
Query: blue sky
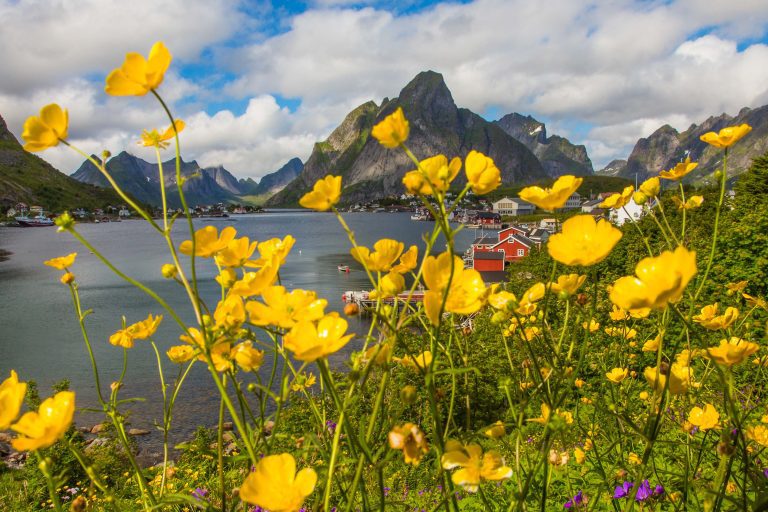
[259, 82]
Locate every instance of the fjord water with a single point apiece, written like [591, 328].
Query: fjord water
[41, 340]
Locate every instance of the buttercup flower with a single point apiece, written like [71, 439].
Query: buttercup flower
[706, 418]
[391, 284]
[284, 309]
[434, 175]
[408, 260]
[623, 332]
[679, 170]
[567, 284]
[255, 283]
[475, 466]
[137, 76]
[411, 440]
[275, 485]
[324, 195]
[230, 312]
[11, 397]
[732, 351]
[496, 430]
[617, 375]
[303, 381]
[273, 248]
[680, 378]
[758, 434]
[160, 140]
[46, 426]
[709, 319]
[482, 173]
[689, 204]
[138, 331]
[393, 130]
[417, 362]
[180, 353]
[247, 357]
[46, 130]
[727, 136]
[652, 345]
[169, 270]
[592, 326]
[309, 342]
[617, 201]
[236, 253]
[385, 253]
[659, 280]
[62, 262]
[583, 241]
[650, 187]
[551, 199]
[466, 289]
[208, 242]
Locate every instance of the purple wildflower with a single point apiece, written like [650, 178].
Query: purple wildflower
[200, 493]
[644, 491]
[576, 501]
[659, 490]
[622, 490]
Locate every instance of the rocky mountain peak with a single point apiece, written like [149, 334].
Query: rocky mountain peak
[5, 134]
[350, 128]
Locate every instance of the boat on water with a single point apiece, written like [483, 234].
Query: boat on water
[343, 268]
[37, 221]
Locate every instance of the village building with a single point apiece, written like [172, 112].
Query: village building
[589, 206]
[573, 202]
[514, 207]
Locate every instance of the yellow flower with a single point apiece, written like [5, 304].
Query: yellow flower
[705, 419]
[45, 131]
[681, 377]
[62, 262]
[67, 278]
[324, 195]
[309, 342]
[46, 426]
[386, 252]
[11, 397]
[617, 201]
[533, 294]
[579, 455]
[381, 353]
[623, 332]
[466, 289]
[227, 277]
[418, 362]
[482, 173]
[679, 170]
[434, 175]
[247, 357]
[551, 199]
[254, 283]
[411, 440]
[736, 287]
[408, 260]
[208, 242]
[475, 466]
[283, 309]
[137, 76]
[273, 248]
[169, 270]
[650, 187]
[690, 203]
[617, 375]
[496, 430]
[727, 136]
[583, 241]
[659, 280]
[732, 351]
[160, 140]
[393, 130]
[230, 313]
[709, 319]
[303, 381]
[567, 284]
[236, 253]
[592, 326]
[138, 331]
[180, 353]
[618, 314]
[275, 485]
[759, 434]
[652, 345]
[391, 284]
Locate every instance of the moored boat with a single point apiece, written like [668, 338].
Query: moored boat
[34, 222]
[342, 268]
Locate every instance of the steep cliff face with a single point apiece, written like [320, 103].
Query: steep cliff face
[665, 147]
[614, 168]
[557, 154]
[438, 126]
[274, 182]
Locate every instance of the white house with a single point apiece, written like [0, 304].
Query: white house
[573, 202]
[514, 206]
[631, 210]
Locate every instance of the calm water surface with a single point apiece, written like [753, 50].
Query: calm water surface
[41, 340]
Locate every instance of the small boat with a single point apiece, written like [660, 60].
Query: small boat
[343, 268]
[34, 222]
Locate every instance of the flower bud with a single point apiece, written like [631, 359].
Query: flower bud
[718, 175]
[65, 222]
[639, 197]
[169, 270]
[408, 394]
[67, 278]
[351, 309]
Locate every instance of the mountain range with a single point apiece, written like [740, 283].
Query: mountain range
[666, 146]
